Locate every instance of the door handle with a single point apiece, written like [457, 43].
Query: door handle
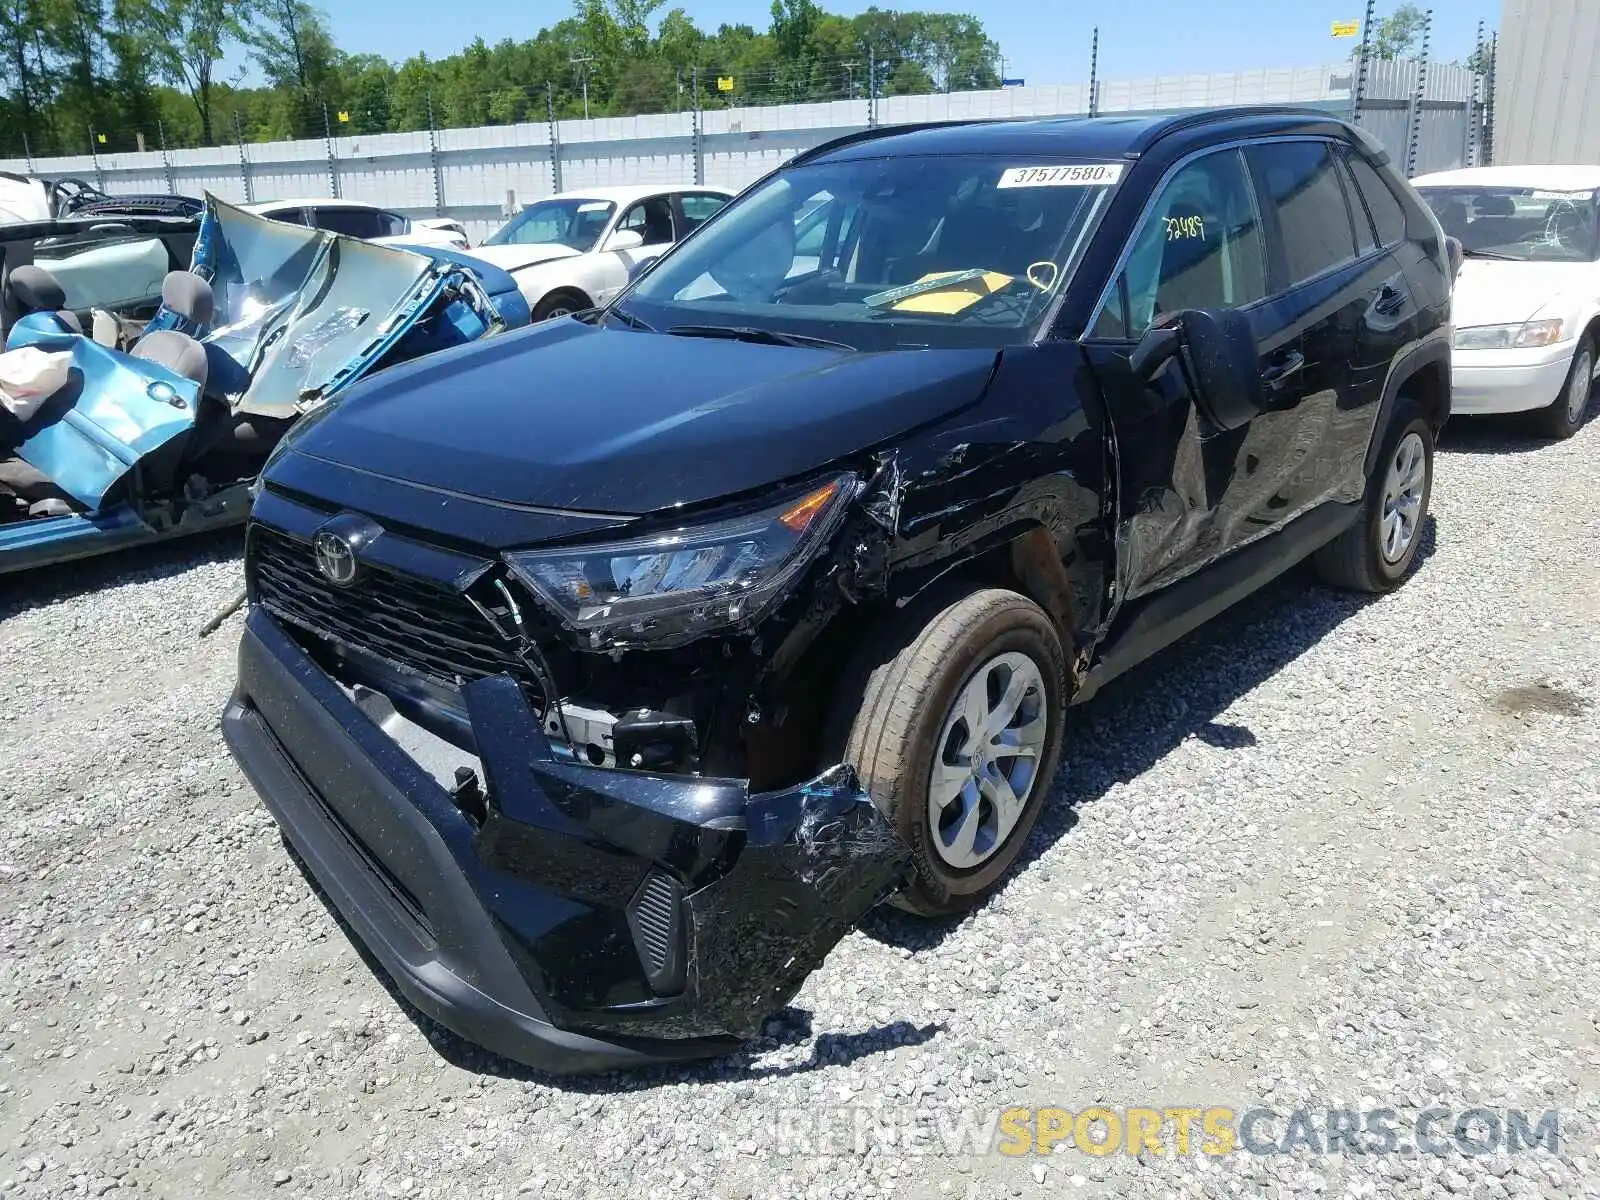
[1390, 300]
[1282, 369]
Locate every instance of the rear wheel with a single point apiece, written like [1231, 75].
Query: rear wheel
[1375, 553]
[956, 731]
[1562, 418]
[559, 304]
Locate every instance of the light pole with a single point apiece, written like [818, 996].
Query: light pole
[582, 62]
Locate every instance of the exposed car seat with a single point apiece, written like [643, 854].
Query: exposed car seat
[178, 352]
[31, 290]
[191, 300]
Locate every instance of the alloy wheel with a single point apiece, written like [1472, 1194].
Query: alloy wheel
[987, 759]
[1403, 490]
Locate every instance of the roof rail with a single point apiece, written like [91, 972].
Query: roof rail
[878, 131]
[1232, 112]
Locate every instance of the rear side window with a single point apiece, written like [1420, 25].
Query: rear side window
[1200, 247]
[1387, 213]
[698, 208]
[1300, 182]
[352, 222]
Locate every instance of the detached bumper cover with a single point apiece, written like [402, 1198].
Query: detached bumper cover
[597, 919]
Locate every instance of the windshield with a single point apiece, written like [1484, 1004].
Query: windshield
[577, 223]
[956, 250]
[1527, 224]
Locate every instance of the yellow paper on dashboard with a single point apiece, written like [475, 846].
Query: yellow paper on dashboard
[965, 288]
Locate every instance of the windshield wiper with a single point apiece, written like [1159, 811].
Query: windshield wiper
[749, 333]
[628, 319]
[1490, 254]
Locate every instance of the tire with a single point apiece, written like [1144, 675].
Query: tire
[558, 304]
[898, 701]
[1359, 559]
[1563, 417]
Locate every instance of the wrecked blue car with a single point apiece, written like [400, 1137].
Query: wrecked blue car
[162, 419]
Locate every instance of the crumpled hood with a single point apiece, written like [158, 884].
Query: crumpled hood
[1491, 292]
[566, 415]
[512, 258]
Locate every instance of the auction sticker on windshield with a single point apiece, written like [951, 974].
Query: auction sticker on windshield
[1077, 175]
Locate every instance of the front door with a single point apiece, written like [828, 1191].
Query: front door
[1202, 245]
[651, 219]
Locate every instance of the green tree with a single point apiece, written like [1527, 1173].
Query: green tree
[185, 41]
[1398, 34]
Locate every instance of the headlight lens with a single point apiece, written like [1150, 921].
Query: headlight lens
[670, 587]
[1509, 337]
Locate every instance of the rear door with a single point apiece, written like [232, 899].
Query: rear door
[1335, 290]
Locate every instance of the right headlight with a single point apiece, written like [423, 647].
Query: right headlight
[670, 587]
[1509, 337]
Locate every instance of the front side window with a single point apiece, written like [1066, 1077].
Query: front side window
[651, 219]
[1527, 224]
[1200, 247]
[569, 222]
[1301, 183]
[887, 252]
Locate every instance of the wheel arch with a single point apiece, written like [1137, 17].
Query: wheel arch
[1421, 375]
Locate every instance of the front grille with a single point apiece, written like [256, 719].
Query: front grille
[408, 620]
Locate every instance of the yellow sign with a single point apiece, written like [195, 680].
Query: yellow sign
[344, 116]
[101, 138]
[1346, 28]
[724, 83]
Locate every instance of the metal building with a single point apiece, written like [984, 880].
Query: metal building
[1547, 82]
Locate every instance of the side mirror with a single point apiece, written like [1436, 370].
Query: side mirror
[1456, 253]
[1217, 348]
[625, 239]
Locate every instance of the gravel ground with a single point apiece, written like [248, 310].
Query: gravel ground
[1326, 853]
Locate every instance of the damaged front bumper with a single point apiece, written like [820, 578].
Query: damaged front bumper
[584, 918]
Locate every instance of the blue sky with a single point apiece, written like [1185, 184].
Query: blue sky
[1044, 41]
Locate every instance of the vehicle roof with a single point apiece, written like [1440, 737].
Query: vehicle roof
[1065, 137]
[263, 207]
[1557, 178]
[624, 193]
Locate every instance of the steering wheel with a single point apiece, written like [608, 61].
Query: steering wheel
[67, 194]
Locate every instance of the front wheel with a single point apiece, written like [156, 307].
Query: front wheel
[1375, 553]
[559, 304]
[956, 732]
[1562, 418]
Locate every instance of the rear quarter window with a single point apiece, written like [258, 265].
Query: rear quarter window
[1387, 212]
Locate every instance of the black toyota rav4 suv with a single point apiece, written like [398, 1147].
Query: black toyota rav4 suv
[605, 674]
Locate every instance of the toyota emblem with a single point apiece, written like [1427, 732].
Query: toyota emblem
[336, 558]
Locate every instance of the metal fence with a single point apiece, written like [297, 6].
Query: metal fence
[1427, 114]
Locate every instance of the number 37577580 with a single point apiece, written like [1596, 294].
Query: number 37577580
[1064, 175]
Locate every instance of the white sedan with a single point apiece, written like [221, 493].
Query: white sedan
[366, 221]
[577, 249]
[1526, 307]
